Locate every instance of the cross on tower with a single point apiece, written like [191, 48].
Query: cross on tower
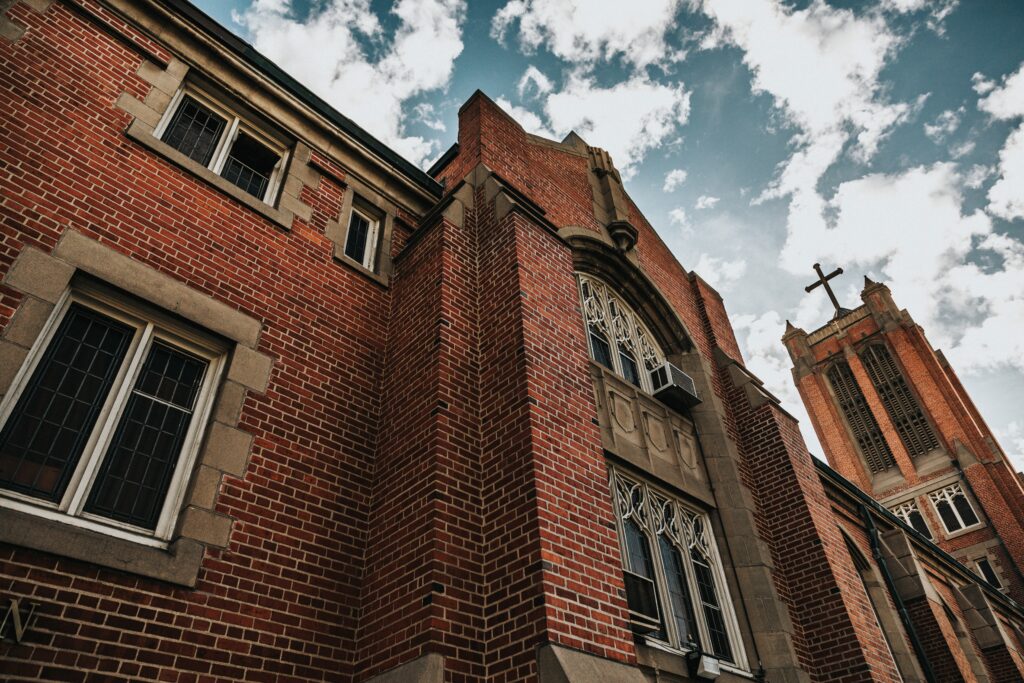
[823, 282]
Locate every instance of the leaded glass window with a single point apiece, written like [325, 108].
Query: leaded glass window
[214, 137]
[901, 405]
[858, 415]
[667, 541]
[104, 423]
[911, 514]
[954, 509]
[618, 338]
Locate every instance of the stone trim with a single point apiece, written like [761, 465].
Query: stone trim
[42, 279]
[426, 669]
[150, 111]
[557, 664]
[337, 230]
[10, 29]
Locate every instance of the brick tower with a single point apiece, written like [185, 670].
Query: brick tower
[893, 417]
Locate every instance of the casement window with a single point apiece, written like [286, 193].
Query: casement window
[669, 543]
[102, 424]
[858, 415]
[901, 405]
[362, 237]
[953, 508]
[911, 514]
[215, 137]
[988, 572]
[618, 339]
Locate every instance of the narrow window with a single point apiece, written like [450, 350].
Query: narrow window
[195, 131]
[250, 164]
[865, 428]
[987, 572]
[361, 240]
[599, 347]
[901, 405]
[678, 593]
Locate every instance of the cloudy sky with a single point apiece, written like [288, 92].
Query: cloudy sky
[758, 136]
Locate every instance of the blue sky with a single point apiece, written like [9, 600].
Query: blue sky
[758, 136]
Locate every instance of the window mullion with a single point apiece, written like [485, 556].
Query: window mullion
[77, 493]
[696, 603]
[224, 146]
[660, 581]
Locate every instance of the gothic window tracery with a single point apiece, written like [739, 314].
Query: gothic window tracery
[671, 544]
[617, 338]
[904, 411]
[858, 415]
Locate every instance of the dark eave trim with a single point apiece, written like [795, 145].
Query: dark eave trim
[281, 78]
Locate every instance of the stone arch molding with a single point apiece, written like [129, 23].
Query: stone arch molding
[595, 254]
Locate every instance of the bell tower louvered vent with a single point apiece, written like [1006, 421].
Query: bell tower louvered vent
[865, 429]
[899, 402]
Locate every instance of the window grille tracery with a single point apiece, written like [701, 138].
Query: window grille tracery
[865, 428]
[954, 509]
[903, 408]
[674, 544]
[911, 514]
[618, 339]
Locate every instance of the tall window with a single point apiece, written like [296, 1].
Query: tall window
[361, 238]
[102, 417]
[858, 415]
[671, 544]
[618, 339]
[904, 411]
[954, 509]
[911, 514]
[209, 134]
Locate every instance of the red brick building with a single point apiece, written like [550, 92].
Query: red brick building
[277, 405]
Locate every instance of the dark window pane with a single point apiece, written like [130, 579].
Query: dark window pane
[949, 519]
[712, 609]
[194, 131]
[249, 165]
[358, 232]
[640, 562]
[678, 594]
[965, 510]
[917, 521]
[134, 477]
[600, 348]
[630, 370]
[988, 573]
[42, 441]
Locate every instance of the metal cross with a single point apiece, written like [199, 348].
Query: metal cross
[823, 281]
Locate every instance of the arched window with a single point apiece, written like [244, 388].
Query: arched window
[855, 408]
[618, 339]
[904, 411]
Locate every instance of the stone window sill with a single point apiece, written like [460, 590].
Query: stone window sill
[178, 564]
[340, 257]
[141, 133]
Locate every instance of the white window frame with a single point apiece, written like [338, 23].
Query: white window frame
[620, 482]
[947, 494]
[620, 325]
[372, 231]
[233, 126]
[149, 326]
[903, 511]
[999, 584]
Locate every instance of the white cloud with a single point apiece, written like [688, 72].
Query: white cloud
[536, 78]
[674, 179]
[1005, 101]
[945, 124]
[629, 119]
[586, 31]
[938, 10]
[679, 218]
[1012, 440]
[419, 58]
[428, 117]
[980, 84]
[1006, 196]
[977, 175]
[706, 202]
[719, 272]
